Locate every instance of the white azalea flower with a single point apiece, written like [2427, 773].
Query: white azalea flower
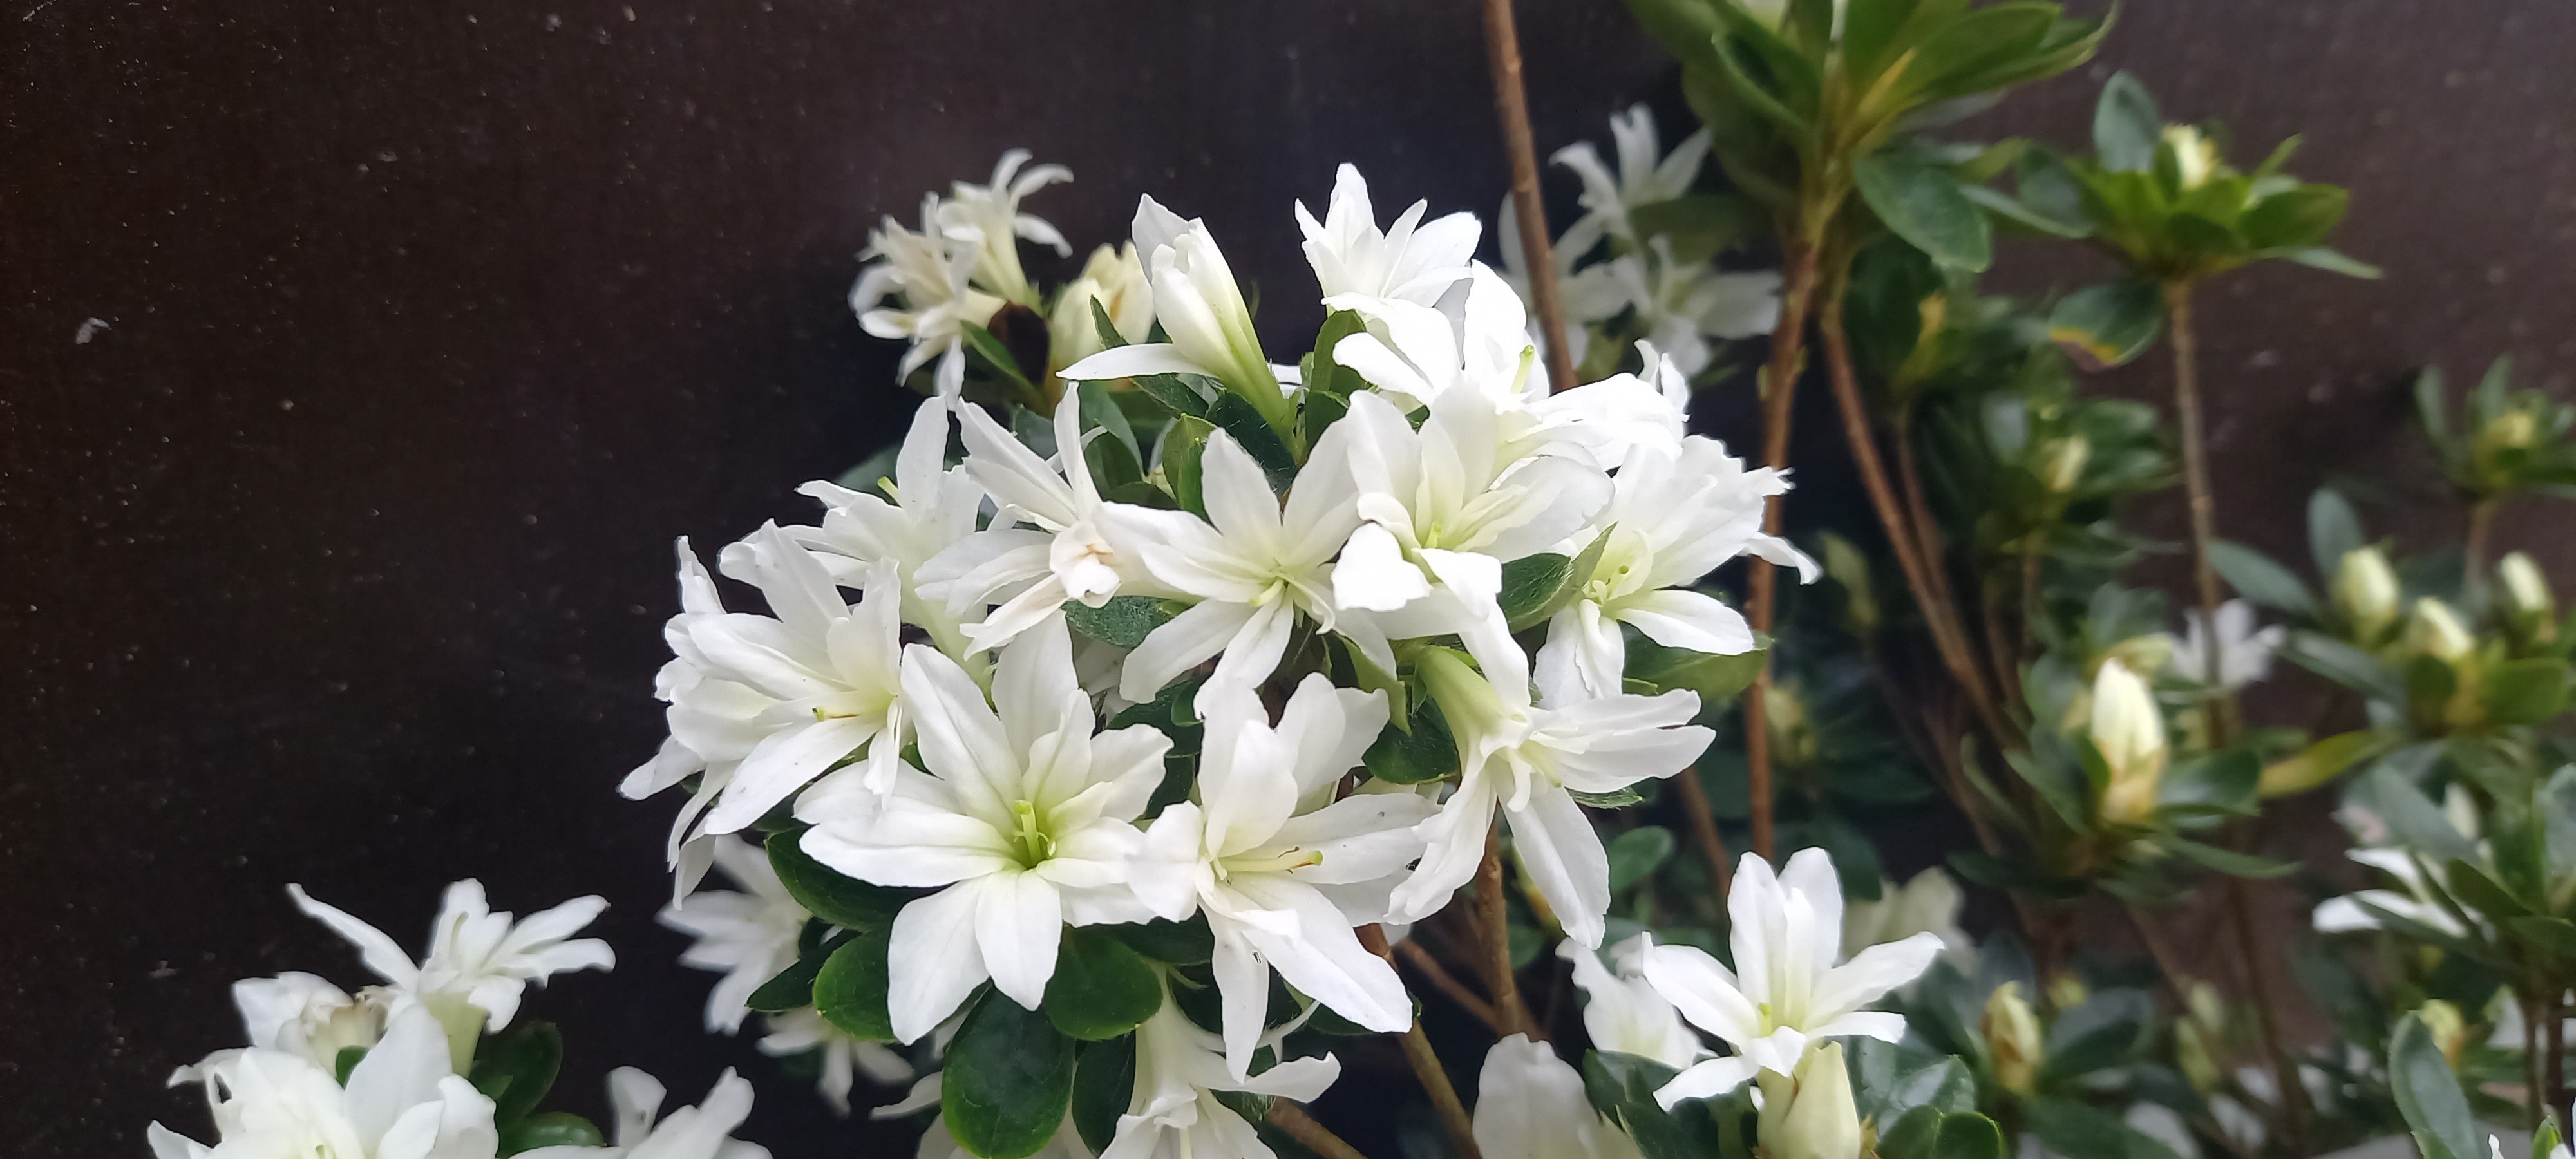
[1201, 309]
[402, 1101]
[307, 1017]
[1580, 313]
[1530, 1105]
[1622, 1012]
[844, 1058]
[992, 214]
[1683, 304]
[1354, 260]
[2419, 903]
[1790, 984]
[1253, 567]
[928, 508]
[1021, 823]
[930, 271]
[1523, 759]
[2244, 654]
[1174, 1112]
[1927, 903]
[1646, 175]
[704, 1131]
[1115, 278]
[1282, 887]
[477, 958]
[748, 937]
[1672, 518]
[1030, 571]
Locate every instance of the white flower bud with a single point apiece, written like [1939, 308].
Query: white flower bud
[1810, 1114]
[2434, 630]
[2129, 731]
[2061, 462]
[2366, 592]
[2012, 1035]
[2526, 591]
[1115, 279]
[2195, 156]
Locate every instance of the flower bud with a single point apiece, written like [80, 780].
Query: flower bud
[2149, 652]
[2129, 731]
[1850, 571]
[2066, 992]
[2191, 1053]
[1115, 279]
[2449, 1030]
[2201, 1000]
[2195, 156]
[2514, 430]
[2061, 463]
[2366, 593]
[2434, 630]
[2011, 1031]
[1810, 1114]
[1793, 736]
[2528, 604]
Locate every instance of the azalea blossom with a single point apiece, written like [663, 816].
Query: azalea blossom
[477, 958]
[1671, 519]
[1530, 1105]
[2244, 654]
[1174, 1113]
[1682, 304]
[930, 271]
[1646, 175]
[704, 1131]
[1201, 309]
[1030, 571]
[844, 1058]
[1622, 1012]
[1283, 883]
[1928, 902]
[305, 1016]
[991, 213]
[1021, 824]
[2419, 903]
[927, 508]
[1527, 761]
[402, 1101]
[1114, 279]
[1358, 263]
[1790, 984]
[748, 936]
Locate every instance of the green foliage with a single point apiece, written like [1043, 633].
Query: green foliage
[1008, 1079]
[1102, 988]
[2501, 441]
[2429, 1095]
[836, 898]
[850, 989]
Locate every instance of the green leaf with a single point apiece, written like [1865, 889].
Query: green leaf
[2331, 261]
[1124, 621]
[2228, 861]
[2072, 1128]
[790, 988]
[1103, 1081]
[1616, 799]
[994, 356]
[552, 1129]
[1258, 439]
[2108, 1028]
[1636, 854]
[2109, 324]
[1182, 447]
[2319, 763]
[1008, 1080]
[1953, 60]
[2126, 126]
[1176, 394]
[2263, 583]
[345, 1061]
[2334, 529]
[1869, 29]
[1530, 584]
[828, 894]
[1922, 204]
[516, 1068]
[2525, 691]
[1182, 943]
[1717, 679]
[1415, 751]
[1622, 1088]
[2429, 1095]
[1100, 410]
[850, 992]
[2345, 665]
[2218, 784]
[2013, 211]
[2555, 935]
[1698, 225]
[1101, 988]
[2295, 218]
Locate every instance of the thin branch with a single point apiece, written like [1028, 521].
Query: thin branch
[1703, 827]
[2258, 984]
[2159, 949]
[1802, 260]
[1511, 104]
[1426, 1065]
[1302, 1127]
[2474, 551]
[2203, 501]
[1439, 976]
[1511, 1016]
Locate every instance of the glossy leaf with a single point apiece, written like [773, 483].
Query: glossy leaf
[1007, 1081]
[1922, 203]
[828, 894]
[1124, 621]
[2429, 1095]
[2109, 324]
[850, 990]
[2262, 582]
[1102, 988]
[2126, 125]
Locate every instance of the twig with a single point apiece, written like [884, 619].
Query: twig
[1302, 1127]
[2203, 501]
[1703, 827]
[1426, 1065]
[1511, 104]
[1780, 386]
[2258, 984]
[2474, 550]
[1511, 1017]
[2162, 952]
[1430, 968]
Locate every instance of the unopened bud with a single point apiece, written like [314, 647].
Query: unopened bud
[1809, 1113]
[2366, 593]
[2528, 603]
[2191, 1052]
[2011, 1031]
[1793, 737]
[1849, 570]
[2449, 1030]
[2061, 462]
[2149, 652]
[2066, 992]
[2195, 156]
[2434, 630]
[2129, 731]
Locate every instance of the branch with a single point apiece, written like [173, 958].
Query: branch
[1500, 979]
[1298, 1125]
[1429, 967]
[1703, 826]
[1426, 1064]
[1511, 104]
[1802, 260]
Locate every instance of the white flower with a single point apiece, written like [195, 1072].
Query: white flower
[1174, 1112]
[1809, 1113]
[704, 1131]
[1282, 887]
[476, 957]
[1202, 312]
[776, 700]
[1115, 278]
[2419, 904]
[1354, 260]
[1030, 571]
[928, 508]
[303, 1015]
[930, 270]
[1672, 518]
[402, 1101]
[1786, 988]
[844, 1058]
[1927, 903]
[1021, 824]
[1645, 176]
[1622, 1012]
[2244, 654]
[1530, 1105]
[1682, 304]
[992, 214]
[749, 937]
[1523, 759]
[1253, 568]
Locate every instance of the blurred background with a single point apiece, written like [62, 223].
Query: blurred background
[362, 362]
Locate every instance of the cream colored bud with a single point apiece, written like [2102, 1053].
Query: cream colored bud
[2191, 1052]
[2195, 156]
[2450, 1031]
[1793, 736]
[2526, 591]
[2434, 630]
[1849, 569]
[2366, 593]
[1115, 279]
[2013, 1040]
[2129, 731]
[2206, 1007]
[2061, 462]
[2066, 992]
[1810, 1113]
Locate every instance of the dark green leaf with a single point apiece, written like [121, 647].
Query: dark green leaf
[1101, 988]
[552, 1129]
[1103, 1082]
[1110, 338]
[2220, 783]
[2126, 126]
[2429, 1095]
[1101, 411]
[2556, 935]
[2332, 262]
[2262, 582]
[1008, 1079]
[1177, 394]
[2109, 324]
[2072, 1128]
[1636, 854]
[2295, 218]
[1530, 584]
[1124, 621]
[2525, 691]
[1717, 679]
[516, 1068]
[1182, 446]
[2334, 530]
[345, 1061]
[2345, 665]
[1619, 799]
[1182, 943]
[2108, 1028]
[1951, 61]
[828, 894]
[2228, 861]
[1257, 438]
[1922, 203]
[2015, 212]
[989, 352]
[1412, 752]
[850, 991]
[790, 988]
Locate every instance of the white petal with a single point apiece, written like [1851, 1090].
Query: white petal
[1131, 361]
[1706, 1079]
[932, 961]
[1565, 860]
[1018, 922]
[1680, 618]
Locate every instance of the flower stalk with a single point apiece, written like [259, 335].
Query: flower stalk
[1511, 106]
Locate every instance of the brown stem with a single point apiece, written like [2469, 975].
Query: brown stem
[1298, 1125]
[1927, 531]
[2203, 501]
[1447, 983]
[2000, 651]
[2258, 984]
[1510, 1016]
[1426, 1065]
[1511, 104]
[2474, 551]
[1703, 827]
[1803, 261]
[2162, 951]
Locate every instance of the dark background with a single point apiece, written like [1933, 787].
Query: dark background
[338, 554]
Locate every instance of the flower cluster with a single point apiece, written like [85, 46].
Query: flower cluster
[1186, 684]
